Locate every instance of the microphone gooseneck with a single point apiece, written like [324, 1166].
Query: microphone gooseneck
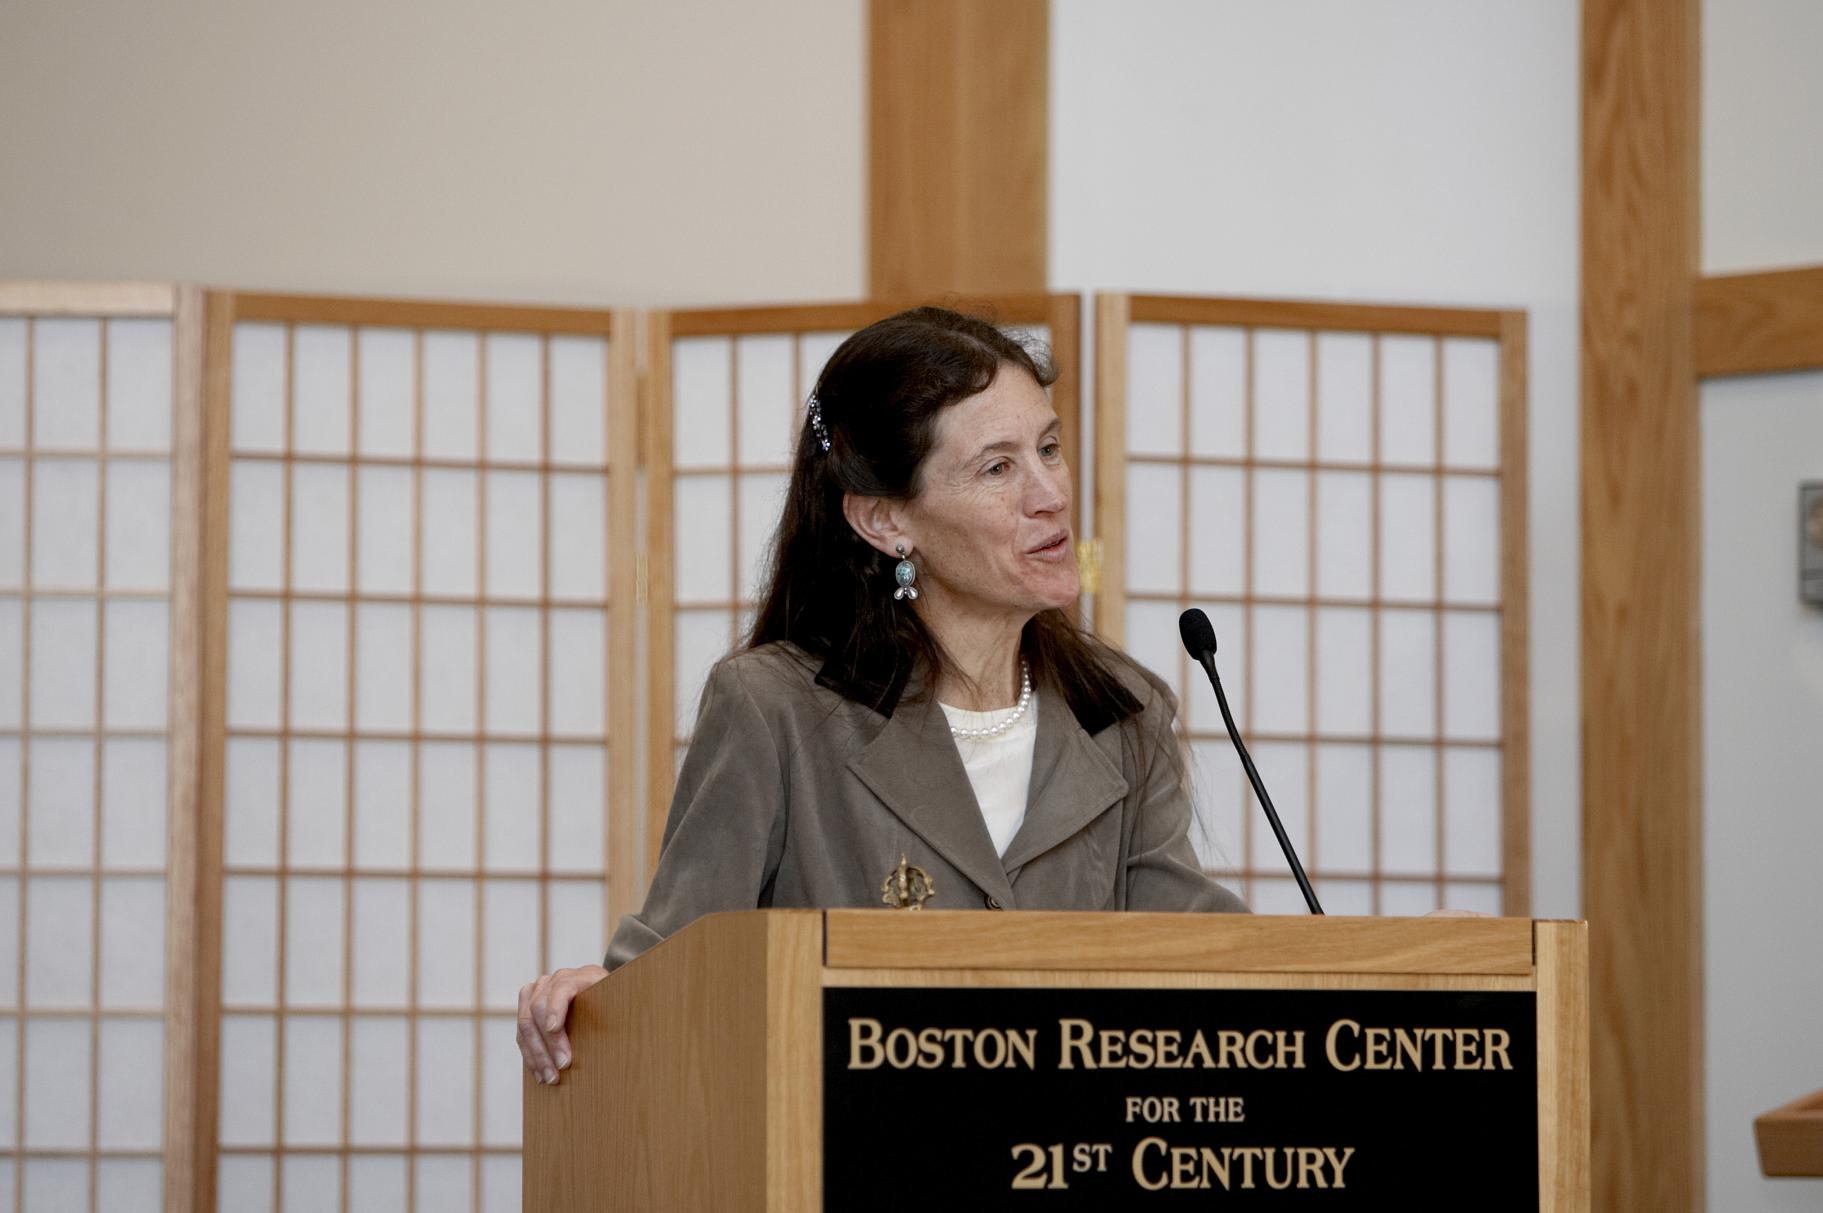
[1199, 641]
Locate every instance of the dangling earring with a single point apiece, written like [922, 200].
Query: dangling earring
[905, 572]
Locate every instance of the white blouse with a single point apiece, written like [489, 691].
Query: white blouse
[999, 768]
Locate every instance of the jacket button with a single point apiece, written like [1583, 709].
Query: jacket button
[992, 902]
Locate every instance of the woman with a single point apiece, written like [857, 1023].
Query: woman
[914, 717]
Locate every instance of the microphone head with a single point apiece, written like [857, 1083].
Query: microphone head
[1197, 632]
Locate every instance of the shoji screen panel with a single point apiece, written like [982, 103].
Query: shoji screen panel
[1342, 489]
[729, 388]
[428, 764]
[88, 422]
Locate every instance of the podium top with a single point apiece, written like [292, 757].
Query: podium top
[1165, 943]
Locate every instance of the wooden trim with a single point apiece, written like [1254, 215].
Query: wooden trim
[183, 771]
[1033, 307]
[958, 146]
[1562, 950]
[1750, 323]
[1063, 320]
[1112, 314]
[1131, 979]
[203, 339]
[1031, 939]
[1641, 598]
[1790, 1137]
[625, 867]
[794, 1107]
[1515, 623]
[88, 298]
[1303, 314]
[661, 631]
[408, 313]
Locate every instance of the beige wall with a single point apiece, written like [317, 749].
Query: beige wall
[605, 151]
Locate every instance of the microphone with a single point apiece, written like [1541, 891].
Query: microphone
[1199, 641]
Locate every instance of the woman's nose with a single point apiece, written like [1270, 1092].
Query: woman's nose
[1050, 491]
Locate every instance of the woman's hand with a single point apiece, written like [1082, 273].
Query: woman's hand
[544, 1008]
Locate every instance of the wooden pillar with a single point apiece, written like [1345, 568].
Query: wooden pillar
[958, 168]
[1642, 723]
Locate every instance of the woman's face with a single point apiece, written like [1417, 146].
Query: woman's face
[991, 520]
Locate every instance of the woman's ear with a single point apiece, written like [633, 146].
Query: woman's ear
[876, 521]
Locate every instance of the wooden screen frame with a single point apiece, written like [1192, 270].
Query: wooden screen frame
[1114, 316]
[185, 1045]
[1060, 313]
[200, 972]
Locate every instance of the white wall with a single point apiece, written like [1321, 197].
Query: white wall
[599, 151]
[1762, 776]
[1762, 650]
[1416, 151]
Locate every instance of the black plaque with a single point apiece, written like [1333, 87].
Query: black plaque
[960, 1099]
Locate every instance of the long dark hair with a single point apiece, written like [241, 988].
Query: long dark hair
[827, 590]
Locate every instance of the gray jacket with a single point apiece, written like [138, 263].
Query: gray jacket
[792, 795]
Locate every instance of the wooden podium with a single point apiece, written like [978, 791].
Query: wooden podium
[699, 1077]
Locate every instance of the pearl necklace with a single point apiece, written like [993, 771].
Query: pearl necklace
[1019, 709]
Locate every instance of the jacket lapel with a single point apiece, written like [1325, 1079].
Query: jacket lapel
[1073, 783]
[914, 768]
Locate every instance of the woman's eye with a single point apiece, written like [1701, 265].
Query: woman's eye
[1051, 450]
[997, 467]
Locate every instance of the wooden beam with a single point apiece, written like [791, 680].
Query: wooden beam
[1317, 314]
[1750, 323]
[1515, 622]
[957, 162]
[1642, 728]
[190, 1030]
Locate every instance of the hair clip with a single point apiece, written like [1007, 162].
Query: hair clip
[816, 422]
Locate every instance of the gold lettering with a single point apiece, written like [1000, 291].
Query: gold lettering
[1408, 1044]
[1310, 1168]
[1497, 1046]
[1230, 1043]
[1215, 1165]
[1113, 1049]
[1023, 1043]
[1167, 1048]
[864, 1034]
[1295, 1047]
[1198, 1054]
[1436, 1036]
[1336, 1164]
[1140, 1046]
[1272, 1180]
[1468, 1041]
[901, 1037]
[1329, 1044]
[1378, 1048]
[1254, 1038]
[1139, 1161]
[1076, 1034]
[1183, 1168]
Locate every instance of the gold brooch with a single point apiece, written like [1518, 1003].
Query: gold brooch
[907, 886]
